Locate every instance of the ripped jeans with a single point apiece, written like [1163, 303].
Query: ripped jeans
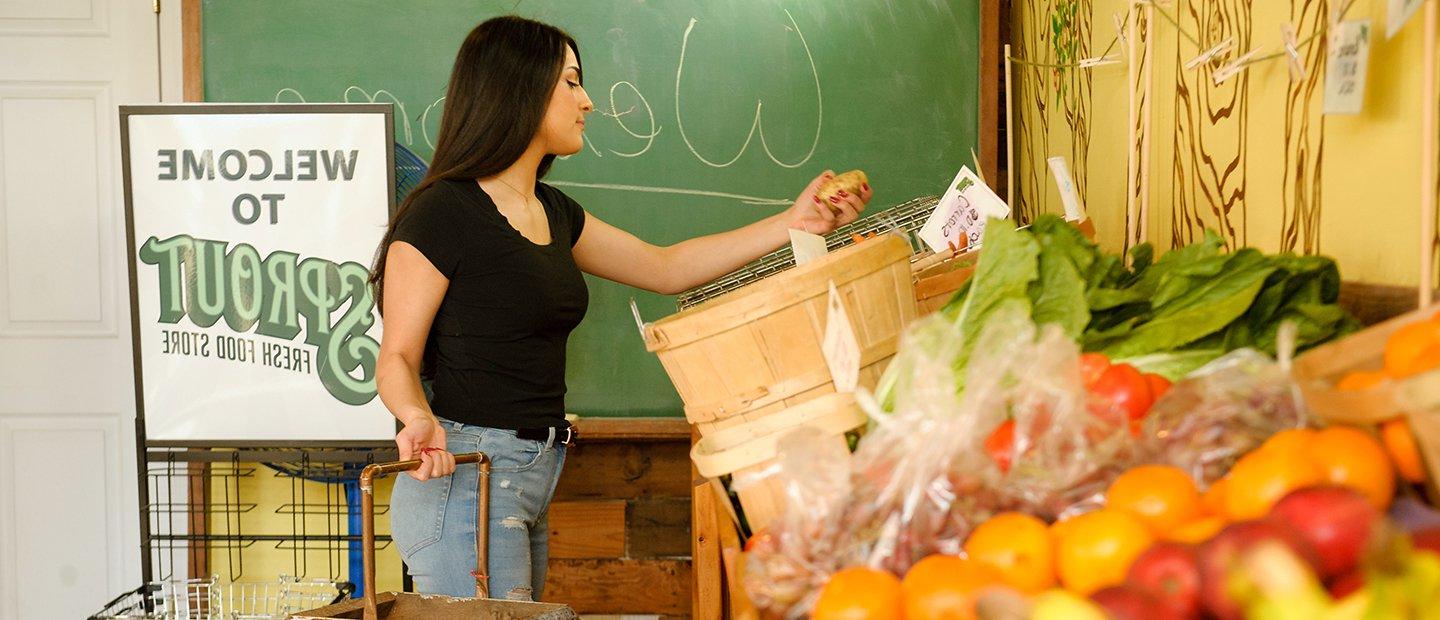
[433, 522]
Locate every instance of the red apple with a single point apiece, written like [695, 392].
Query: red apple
[1427, 539]
[1224, 551]
[1335, 521]
[1127, 603]
[1346, 584]
[1170, 572]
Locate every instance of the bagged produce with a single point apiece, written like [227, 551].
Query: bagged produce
[1221, 411]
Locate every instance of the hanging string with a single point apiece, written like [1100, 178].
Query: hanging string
[1245, 62]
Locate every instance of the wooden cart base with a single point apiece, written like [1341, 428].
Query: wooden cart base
[408, 606]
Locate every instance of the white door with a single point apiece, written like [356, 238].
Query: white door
[69, 532]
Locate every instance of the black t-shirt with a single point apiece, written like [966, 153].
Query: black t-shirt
[498, 341]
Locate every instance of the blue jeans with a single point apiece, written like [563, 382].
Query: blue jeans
[433, 522]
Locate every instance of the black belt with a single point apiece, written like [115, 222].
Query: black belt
[563, 434]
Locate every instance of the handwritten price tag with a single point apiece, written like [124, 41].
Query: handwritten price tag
[842, 352]
[959, 220]
[1345, 75]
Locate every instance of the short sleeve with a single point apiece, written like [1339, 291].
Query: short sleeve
[573, 213]
[430, 224]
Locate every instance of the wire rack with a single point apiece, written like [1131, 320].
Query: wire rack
[212, 599]
[292, 510]
[906, 218]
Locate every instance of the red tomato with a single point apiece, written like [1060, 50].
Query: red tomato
[1125, 389]
[1158, 385]
[1001, 445]
[1092, 365]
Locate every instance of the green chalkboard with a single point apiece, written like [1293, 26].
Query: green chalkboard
[715, 112]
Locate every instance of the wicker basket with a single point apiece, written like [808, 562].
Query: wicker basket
[749, 451]
[756, 351]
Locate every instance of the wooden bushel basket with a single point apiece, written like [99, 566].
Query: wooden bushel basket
[756, 351]
[752, 447]
[1417, 398]
[410, 606]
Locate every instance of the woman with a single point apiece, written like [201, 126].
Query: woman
[479, 280]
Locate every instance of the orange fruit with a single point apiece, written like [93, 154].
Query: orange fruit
[1162, 496]
[1262, 477]
[860, 593]
[1197, 530]
[1096, 549]
[1350, 457]
[945, 587]
[1292, 441]
[1413, 349]
[1212, 502]
[1018, 547]
[1400, 443]
[1360, 380]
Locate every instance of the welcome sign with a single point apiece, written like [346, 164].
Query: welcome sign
[251, 233]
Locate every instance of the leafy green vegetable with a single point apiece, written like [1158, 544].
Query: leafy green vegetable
[1168, 315]
[1006, 270]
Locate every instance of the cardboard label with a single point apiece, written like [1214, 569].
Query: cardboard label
[1400, 12]
[959, 220]
[842, 352]
[1074, 211]
[1345, 74]
[807, 247]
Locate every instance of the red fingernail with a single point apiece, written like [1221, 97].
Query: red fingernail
[835, 199]
[842, 193]
[816, 198]
[865, 186]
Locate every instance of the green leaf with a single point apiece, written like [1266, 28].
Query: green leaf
[1108, 298]
[1008, 264]
[1141, 256]
[1096, 340]
[1172, 366]
[1198, 312]
[1150, 279]
[1059, 294]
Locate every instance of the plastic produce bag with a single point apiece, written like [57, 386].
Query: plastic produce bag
[1221, 411]
[788, 565]
[925, 476]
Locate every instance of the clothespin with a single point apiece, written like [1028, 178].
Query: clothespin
[1218, 50]
[1099, 60]
[1292, 52]
[1233, 67]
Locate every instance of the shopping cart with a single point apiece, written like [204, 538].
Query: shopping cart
[211, 599]
[407, 605]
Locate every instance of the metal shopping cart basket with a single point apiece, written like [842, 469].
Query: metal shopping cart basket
[210, 599]
[406, 605]
[906, 219]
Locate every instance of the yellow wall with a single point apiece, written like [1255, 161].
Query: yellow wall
[1224, 156]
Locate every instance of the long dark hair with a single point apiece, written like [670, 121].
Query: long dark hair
[500, 87]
